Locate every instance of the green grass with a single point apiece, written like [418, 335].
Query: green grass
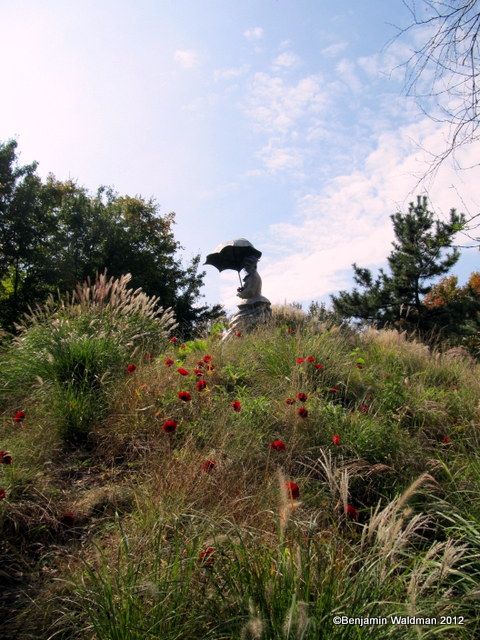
[281, 569]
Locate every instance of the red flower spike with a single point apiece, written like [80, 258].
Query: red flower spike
[290, 400]
[363, 408]
[184, 395]
[302, 397]
[3, 494]
[208, 465]
[19, 416]
[299, 360]
[278, 445]
[319, 366]
[169, 426]
[310, 359]
[131, 368]
[201, 385]
[68, 518]
[182, 371]
[302, 412]
[6, 458]
[168, 362]
[351, 512]
[207, 358]
[236, 406]
[336, 439]
[173, 340]
[293, 489]
[446, 440]
[206, 557]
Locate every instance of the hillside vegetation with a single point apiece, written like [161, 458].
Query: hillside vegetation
[257, 488]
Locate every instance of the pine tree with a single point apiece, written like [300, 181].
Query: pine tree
[418, 256]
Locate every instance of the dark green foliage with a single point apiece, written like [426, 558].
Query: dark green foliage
[55, 234]
[416, 259]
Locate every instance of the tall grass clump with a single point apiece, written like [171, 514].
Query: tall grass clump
[73, 347]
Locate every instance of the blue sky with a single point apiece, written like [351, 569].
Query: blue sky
[279, 121]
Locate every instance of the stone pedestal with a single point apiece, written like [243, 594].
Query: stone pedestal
[251, 313]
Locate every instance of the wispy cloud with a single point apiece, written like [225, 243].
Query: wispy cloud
[286, 60]
[334, 50]
[186, 58]
[230, 73]
[254, 33]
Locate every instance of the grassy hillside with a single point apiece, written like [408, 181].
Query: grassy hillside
[306, 472]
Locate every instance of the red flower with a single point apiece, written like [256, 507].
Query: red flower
[198, 373]
[302, 397]
[201, 385]
[310, 359]
[300, 360]
[336, 439]
[207, 358]
[168, 362]
[184, 395]
[200, 363]
[173, 340]
[446, 440]
[131, 368]
[278, 445]
[359, 365]
[238, 334]
[182, 371]
[5, 457]
[206, 556]
[169, 426]
[351, 512]
[290, 400]
[68, 518]
[334, 390]
[236, 406]
[2, 494]
[208, 465]
[363, 408]
[19, 416]
[293, 489]
[302, 412]
[319, 366]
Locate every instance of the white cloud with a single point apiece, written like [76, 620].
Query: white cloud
[277, 159]
[286, 60]
[230, 73]
[348, 220]
[186, 58]
[276, 106]
[347, 74]
[254, 33]
[334, 49]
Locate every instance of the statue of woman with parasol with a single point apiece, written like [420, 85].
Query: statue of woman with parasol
[237, 255]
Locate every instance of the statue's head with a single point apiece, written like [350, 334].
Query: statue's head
[250, 264]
